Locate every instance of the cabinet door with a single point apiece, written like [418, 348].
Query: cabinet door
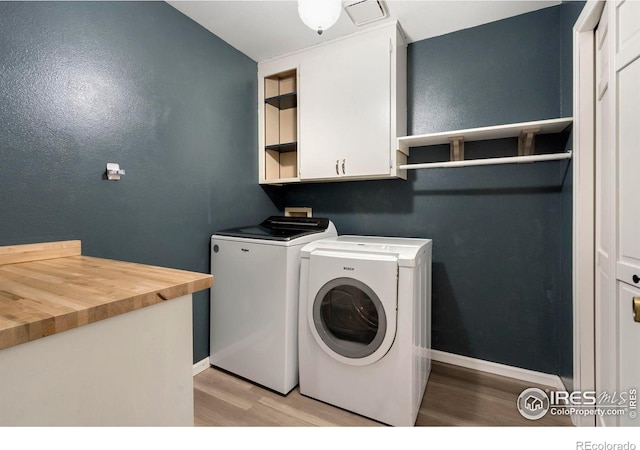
[345, 111]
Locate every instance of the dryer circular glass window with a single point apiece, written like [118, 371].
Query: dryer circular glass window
[349, 318]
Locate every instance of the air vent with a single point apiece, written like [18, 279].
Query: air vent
[366, 11]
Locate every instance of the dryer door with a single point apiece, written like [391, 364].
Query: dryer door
[353, 304]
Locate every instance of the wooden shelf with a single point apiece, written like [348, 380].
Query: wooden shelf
[524, 131]
[285, 101]
[485, 133]
[283, 148]
[280, 181]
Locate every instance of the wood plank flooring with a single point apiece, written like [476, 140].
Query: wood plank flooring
[455, 396]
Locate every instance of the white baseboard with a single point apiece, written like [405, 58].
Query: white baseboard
[201, 366]
[530, 376]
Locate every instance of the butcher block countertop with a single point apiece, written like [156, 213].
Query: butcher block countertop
[49, 288]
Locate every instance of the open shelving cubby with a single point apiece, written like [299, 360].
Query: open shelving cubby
[524, 131]
[281, 126]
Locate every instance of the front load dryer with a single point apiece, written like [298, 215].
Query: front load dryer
[254, 300]
[364, 325]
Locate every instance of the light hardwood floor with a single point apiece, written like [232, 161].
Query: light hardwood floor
[455, 396]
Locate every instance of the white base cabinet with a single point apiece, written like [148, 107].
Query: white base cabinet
[351, 107]
[134, 369]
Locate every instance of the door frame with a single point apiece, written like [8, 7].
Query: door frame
[584, 201]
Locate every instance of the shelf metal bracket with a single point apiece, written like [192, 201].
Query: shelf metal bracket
[456, 148]
[527, 141]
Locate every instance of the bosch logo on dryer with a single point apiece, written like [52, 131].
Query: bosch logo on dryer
[351, 269]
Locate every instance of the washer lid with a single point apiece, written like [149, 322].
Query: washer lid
[279, 228]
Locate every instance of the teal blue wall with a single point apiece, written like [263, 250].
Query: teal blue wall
[140, 84]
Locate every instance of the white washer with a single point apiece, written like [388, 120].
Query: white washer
[365, 325]
[254, 300]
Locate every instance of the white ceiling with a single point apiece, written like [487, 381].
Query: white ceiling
[262, 29]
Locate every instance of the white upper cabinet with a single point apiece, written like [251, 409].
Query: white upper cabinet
[345, 98]
[351, 107]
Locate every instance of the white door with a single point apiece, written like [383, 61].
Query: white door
[627, 69]
[605, 297]
[345, 108]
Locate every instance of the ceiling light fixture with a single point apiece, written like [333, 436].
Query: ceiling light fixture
[319, 15]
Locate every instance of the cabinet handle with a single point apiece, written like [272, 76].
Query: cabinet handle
[635, 278]
[337, 170]
[343, 167]
[636, 309]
